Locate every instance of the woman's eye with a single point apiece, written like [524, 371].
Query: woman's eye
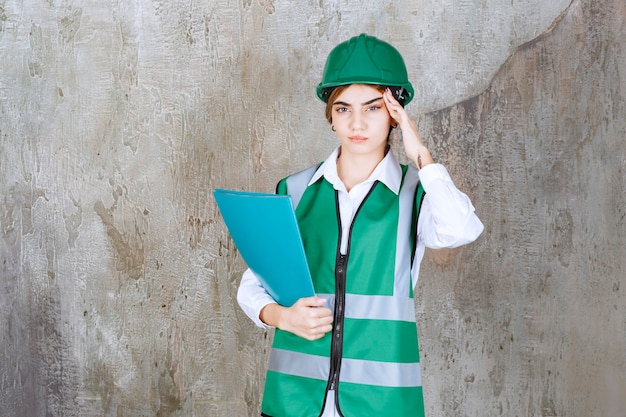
[341, 109]
[372, 108]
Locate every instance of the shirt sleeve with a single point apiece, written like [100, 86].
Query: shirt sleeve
[447, 218]
[252, 297]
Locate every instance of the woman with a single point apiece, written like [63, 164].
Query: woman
[365, 221]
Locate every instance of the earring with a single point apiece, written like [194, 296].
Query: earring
[333, 128]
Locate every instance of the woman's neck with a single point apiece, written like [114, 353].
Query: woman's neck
[354, 169]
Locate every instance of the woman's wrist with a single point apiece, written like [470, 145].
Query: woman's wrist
[422, 158]
[270, 314]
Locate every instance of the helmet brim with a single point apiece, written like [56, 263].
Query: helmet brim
[403, 93]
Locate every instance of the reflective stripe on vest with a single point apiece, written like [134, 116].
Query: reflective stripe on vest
[375, 307]
[297, 183]
[403, 283]
[352, 370]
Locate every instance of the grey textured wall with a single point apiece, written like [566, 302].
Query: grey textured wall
[117, 276]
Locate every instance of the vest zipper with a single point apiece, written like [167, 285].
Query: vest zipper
[341, 266]
[336, 346]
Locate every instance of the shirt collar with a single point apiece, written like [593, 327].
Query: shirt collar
[387, 171]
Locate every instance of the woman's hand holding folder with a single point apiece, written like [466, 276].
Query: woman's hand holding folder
[306, 318]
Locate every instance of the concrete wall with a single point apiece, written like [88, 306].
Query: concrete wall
[118, 278]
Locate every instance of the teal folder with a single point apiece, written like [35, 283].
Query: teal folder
[265, 231]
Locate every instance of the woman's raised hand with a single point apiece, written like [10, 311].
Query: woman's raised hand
[413, 145]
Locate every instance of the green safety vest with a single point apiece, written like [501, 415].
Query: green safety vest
[371, 358]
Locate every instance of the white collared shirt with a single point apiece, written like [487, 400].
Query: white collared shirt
[446, 220]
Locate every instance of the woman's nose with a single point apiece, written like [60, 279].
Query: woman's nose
[357, 122]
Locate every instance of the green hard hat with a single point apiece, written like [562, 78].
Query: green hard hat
[365, 59]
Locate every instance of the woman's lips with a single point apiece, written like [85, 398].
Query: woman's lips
[357, 139]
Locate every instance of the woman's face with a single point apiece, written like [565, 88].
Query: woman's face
[361, 120]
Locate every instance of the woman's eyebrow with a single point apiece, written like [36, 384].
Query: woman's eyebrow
[371, 101]
[343, 103]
